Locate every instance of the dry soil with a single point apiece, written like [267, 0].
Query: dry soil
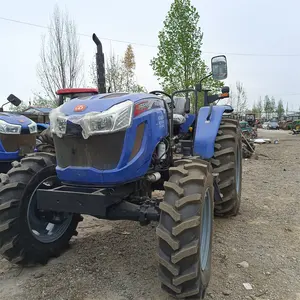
[116, 260]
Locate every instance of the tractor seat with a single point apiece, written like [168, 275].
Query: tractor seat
[178, 119]
[179, 115]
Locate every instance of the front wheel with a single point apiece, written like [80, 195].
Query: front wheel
[28, 235]
[185, 230]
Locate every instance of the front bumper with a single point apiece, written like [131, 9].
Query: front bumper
[100, 203]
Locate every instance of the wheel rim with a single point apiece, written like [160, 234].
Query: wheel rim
[206, 231]
[238, 170]
[40, 227]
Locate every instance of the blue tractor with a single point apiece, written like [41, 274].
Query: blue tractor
[17, 135]
[112, 150]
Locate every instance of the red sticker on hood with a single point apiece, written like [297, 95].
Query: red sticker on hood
[79, 108]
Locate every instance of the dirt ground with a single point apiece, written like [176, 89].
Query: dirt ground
[116, 260]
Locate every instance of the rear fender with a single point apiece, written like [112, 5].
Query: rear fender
[208, 123]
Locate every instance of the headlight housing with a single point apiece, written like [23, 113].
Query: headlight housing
[32, 127]
[7, 128]
[118, 117]
[58, 122]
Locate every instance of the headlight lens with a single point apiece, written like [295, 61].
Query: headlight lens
[32, 127]
[58, 122]
[7, 128]
[116, 118]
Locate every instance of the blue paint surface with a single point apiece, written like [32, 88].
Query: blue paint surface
[99, 103]
[184, 128]
[206, 132]
[156, 128]
[14, 119]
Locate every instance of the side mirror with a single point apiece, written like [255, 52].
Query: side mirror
[187, 106]
[219, 67]
[14, 100]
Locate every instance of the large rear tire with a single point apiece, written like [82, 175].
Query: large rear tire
[185, 230]
[227, 162]
[26, 234]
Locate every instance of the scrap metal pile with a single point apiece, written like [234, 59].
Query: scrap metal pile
[248, 147]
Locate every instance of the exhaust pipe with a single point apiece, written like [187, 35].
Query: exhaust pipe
[100, 65]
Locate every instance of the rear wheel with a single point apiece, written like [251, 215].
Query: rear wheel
[227, 162]
[185, 230]
[28, 235]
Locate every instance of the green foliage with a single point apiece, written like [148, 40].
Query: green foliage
[178, 64]
[268, 106]
[254, 109]
[19, 108]
[280, 109]
[39, 101]
[259, 108]
[273, 105]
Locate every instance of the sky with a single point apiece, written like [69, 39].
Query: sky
[259, 37]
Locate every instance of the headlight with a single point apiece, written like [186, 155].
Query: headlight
[58, 122]
[116, 118]
[32, 127]
[7, 128]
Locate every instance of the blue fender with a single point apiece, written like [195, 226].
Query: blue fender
[42, 125]
[206, 131]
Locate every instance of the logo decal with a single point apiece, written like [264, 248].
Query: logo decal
[21, 121]
[79, 108]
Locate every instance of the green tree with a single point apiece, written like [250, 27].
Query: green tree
[178, 64]
[259, 108]
[19, 108]
[39, 101]
[280, 109]
[267, 106]
[241, 98]
[273, 105]
[254, 108]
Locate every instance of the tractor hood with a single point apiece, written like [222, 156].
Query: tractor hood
[15, 119]
[99, 103]
[99, 114]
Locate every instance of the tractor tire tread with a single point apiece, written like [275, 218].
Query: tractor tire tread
[177, 277]
[224, 164]
[17, 244]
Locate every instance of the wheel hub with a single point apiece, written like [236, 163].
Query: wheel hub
[46, 226]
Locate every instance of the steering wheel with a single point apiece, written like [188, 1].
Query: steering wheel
[157, 93]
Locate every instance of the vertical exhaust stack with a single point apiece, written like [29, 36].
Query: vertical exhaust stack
[100, 65]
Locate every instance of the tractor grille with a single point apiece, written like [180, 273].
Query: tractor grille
[102, 152]
[14, 142]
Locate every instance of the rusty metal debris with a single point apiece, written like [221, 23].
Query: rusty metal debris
[248, 147]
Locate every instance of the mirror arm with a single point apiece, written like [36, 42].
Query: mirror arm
[3, 105]
[199, 86]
